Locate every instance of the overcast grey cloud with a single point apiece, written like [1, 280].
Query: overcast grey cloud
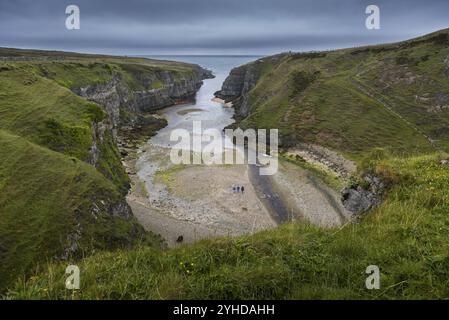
[214, 26]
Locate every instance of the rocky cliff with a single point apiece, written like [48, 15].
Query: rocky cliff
[128, 108]
[171, 91]
[128, 105]
[238, 84]
[124, 104]
[359, 199]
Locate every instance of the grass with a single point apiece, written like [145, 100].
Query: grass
[166, 176]
[406, 237]
[31, 106]
[44, 197]
[46, 113]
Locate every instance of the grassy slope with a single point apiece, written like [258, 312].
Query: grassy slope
[46, 189]
[44, 195]
[406, 236]
[40, 110]
[317, 97]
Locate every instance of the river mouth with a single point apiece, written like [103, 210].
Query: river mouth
[195, 201]
[201, 201]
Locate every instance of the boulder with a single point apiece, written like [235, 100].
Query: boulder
[358, 199]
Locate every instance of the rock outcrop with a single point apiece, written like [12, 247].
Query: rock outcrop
[330, 159]
[359, 199]
[126, 108]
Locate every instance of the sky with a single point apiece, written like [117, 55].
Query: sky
[221, 27]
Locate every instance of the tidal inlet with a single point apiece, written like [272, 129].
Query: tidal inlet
[224, 151]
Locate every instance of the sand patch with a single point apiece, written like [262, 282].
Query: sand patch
[196, 201]
[204, 195]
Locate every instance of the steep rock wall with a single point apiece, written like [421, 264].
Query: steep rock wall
[237, 85]
[124, 104]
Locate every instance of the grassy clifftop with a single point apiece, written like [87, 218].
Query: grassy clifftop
[62, 184]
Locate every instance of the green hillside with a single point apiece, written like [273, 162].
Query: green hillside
[392, 96]
[56, 198]
[49, 202]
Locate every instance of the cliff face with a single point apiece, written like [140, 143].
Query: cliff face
[124, 104]
[127, 106]
[172, 91]
[110, 95]
[237, 85]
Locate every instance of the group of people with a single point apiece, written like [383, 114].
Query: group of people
[238, 189]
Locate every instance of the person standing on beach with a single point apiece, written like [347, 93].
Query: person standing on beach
[238, 189]
[242, 188]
